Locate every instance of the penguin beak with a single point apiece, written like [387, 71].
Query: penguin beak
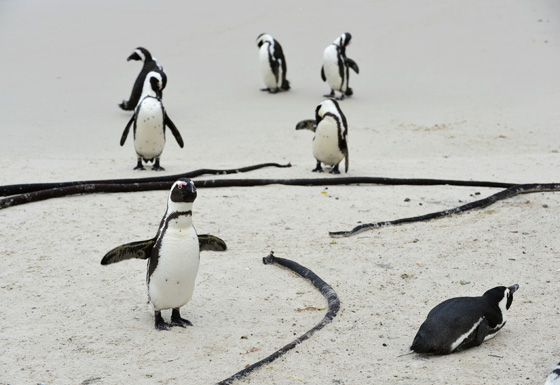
[513, 288]
[134, 56]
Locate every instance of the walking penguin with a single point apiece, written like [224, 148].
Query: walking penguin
[273, 64]
[463, 322]
[150, 64]
[150, 120]
[173, 255]
[335, 70]
[330, 143]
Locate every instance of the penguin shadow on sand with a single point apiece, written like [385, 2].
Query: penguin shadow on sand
[173, 255]
[464, 322]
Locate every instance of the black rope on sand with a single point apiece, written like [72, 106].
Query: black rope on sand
[507, 193]
[41, 191]
[322, 286]
[31, 187]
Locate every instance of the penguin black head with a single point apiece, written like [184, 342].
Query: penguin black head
[329, 106]
[140, 53]
[183, 191]
[501, 295]
[263, 38]
[343, 40]
[155, 83]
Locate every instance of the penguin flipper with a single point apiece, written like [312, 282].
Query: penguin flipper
[307, 124]
[208, 242]
[323, 74]
[352, 64]
[126, 129]
[174, 130]
[137, 250]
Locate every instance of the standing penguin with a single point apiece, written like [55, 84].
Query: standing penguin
[150, 64]
[335, 70]
[149, 121]
[463, 322]
[273, 64]
[173, 255]
[330, 141]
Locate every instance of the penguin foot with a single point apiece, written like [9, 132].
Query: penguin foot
[341, 97]
[176, 319]
[329, 95]
[334, 170]
[265, 89]
[156, 166]
[160, 323]
[318, 168]
[139, 165]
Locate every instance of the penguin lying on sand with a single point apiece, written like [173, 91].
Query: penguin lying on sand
[150, 64]
[554, 378]
[335, 70]
[463, 322]
[331, 130]
[173, 255]
[273, 64]
[150, 119]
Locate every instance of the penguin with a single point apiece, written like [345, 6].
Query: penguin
[461, 323]
[335, 69]
[150, 120]
[273, 64]
[554, 377]
[173, 255]
[330, 142]
[150, 64]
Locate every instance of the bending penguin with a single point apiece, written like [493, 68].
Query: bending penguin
[330, 143]
[150, 120]
[273, 64]
[335, 70]
[173, 255]
[463, 322]
[150, 64]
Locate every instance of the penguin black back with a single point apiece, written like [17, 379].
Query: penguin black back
[150, 64]
[464, 322]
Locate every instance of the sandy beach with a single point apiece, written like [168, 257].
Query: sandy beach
[465, 90]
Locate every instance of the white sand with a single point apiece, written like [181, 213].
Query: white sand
[460, 90]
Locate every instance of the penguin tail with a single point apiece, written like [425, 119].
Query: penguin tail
[285, 85]
[349, 92]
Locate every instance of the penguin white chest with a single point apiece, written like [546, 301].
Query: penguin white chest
[331, 69]
[171, 284]
[266, 70]
[149, 135]
[325, 142]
